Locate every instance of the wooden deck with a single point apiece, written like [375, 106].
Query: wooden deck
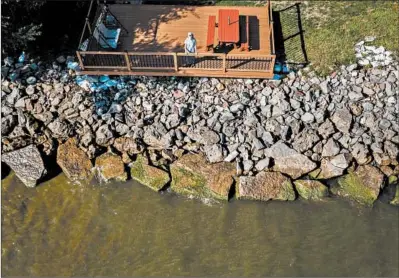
[164, 28]
[154, 44]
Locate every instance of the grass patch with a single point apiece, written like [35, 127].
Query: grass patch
[331, 29]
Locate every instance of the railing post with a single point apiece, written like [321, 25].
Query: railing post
[127, 60]
[80, 60]
[175, 61]
[224, 62]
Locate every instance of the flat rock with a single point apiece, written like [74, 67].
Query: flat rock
[192, 175]
[289, 161]
[148, 175]
[203, 135]
[109, 167]
[311, 189]
[266, 186]
[73, 161]
[331, 148]
[362, 185]
[27, 164]
[342, 120]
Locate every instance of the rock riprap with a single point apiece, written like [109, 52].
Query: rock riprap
[289, 161]
[148, 175]
[293, 126]
[362, 185]
[311, 189]
[74, 162]
[266, 186]
[110, 167]
[27, 163]
[192, 175]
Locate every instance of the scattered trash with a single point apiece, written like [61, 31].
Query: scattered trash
[31, 80]
[13, 76]
[104, 78]
[73, 65]
[21, 58]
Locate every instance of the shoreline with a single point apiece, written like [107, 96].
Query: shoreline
[208, 137]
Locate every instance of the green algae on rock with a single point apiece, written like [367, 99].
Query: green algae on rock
[311, 189]
[110, 167]
[361, 185]
[395, 200]
[266, 186]
[73, 161]
[193, 175]
[148, 175]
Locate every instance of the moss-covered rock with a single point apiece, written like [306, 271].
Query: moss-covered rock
[192, 175]
[362, 185]
[73, 161]
[110, 167]
[148, 175]
[311, 189]
[265, 186]
[395, 200]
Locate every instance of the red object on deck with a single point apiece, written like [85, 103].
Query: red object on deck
[228, 25]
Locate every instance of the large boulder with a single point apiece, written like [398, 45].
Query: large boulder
[289, 161]
[266, 186]
[27, 164]
[362, 185]
[192, 175]
[148, 175]
[311, 189]
[73, 161]
[109, 167]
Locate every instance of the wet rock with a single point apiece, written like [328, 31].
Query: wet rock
[362, 185]
[74, 162]
[311, 189]
[148, 175]
[27, 164]
[109, 167]
[289, 161]
[192, 175]
[266, 186]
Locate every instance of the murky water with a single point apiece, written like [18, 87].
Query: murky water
[59, 229]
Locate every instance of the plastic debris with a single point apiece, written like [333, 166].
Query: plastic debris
[73, 65]
[34, 66]
[21, 58]
[104, 78]
[31, 80]
[111, 83]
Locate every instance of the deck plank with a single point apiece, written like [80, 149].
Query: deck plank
[164, 28]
